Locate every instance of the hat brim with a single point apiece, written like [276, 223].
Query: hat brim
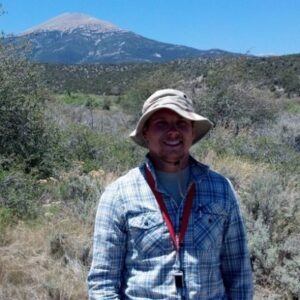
[201, 124]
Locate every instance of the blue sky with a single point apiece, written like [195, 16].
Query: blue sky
[255, 26]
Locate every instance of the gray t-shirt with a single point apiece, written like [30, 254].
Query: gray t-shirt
[175, 184]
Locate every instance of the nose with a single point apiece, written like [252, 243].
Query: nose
[173, 130]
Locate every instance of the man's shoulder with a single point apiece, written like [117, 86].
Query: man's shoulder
[216, 176]
[204, 172]
[211, 181]
[215, 190]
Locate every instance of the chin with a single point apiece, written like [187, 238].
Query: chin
[175, 158]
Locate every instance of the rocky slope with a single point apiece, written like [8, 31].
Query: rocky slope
[74, 38]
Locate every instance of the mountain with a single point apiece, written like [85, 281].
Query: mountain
[74, 38]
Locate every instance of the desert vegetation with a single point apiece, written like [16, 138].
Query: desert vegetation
[64, 137]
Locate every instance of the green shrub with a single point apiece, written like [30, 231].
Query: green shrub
[26, 136]
[261, 148]
[133, 101]
[20, 194]
[80, 195]
[135, 96]
[236, 106]
[289, 79]
[72, 98]
[79, 99]
[114, 153]
[271, 204]
[6, 219]
[106, 103]
[293, 107]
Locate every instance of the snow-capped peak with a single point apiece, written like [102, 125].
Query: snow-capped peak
[68, 22]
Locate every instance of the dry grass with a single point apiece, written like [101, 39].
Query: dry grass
[45, 261]
[266, 294]
[240, 171]
[49, 258]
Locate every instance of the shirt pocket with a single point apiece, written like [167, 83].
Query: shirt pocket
[149, 234]
[209, 221]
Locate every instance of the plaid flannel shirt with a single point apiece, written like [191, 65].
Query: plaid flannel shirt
[134, 257]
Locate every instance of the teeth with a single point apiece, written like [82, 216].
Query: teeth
[172, 143]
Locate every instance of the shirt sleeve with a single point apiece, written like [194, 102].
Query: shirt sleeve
[236, 266]
[104, 279]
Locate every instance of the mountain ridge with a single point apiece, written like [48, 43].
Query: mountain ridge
[67, 22]
[75, 38]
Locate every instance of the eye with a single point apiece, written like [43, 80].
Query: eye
[161, 125]
[182, 124]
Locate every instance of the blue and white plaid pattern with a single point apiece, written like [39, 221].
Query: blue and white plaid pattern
[134, 257]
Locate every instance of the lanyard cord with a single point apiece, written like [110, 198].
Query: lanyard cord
[177, 239]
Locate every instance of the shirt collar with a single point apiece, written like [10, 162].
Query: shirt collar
[197, 170]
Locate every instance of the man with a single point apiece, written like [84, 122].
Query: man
[171, 228]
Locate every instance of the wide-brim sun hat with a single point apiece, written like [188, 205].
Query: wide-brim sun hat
[176, 101]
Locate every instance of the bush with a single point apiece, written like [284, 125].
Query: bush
[6, 219]
[113, 153]
[25, 134]
[267, 149]
[134, 98]
[20, 195]
[80, 195]
[236, 105]
[289, 79]
[271, 204]
[132, 102]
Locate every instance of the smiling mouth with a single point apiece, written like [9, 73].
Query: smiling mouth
[173, 143]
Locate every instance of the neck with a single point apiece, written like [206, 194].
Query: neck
[165, 165]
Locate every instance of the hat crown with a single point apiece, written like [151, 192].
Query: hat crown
[168, 97]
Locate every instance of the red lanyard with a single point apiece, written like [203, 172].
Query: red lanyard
[176, 238]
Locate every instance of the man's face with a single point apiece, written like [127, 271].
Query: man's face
[169, 138]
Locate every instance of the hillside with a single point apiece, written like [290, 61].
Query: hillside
[277, 74]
